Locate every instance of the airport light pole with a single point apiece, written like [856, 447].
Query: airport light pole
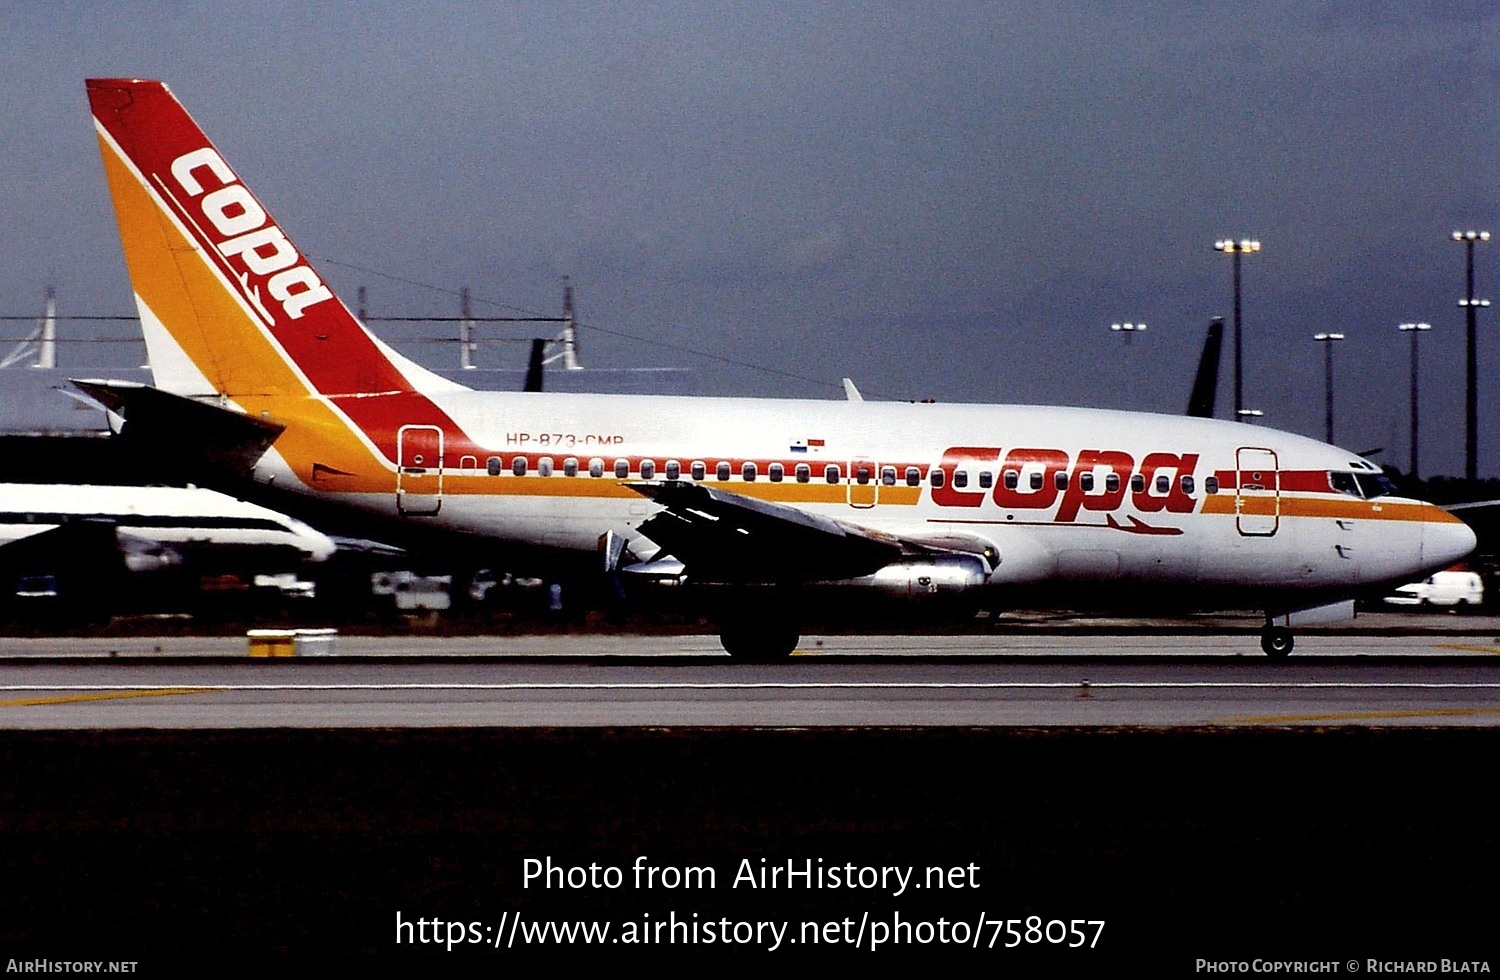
[1128, 329]
[1235, 249]
[1327, 340]
[1416, 330]
[1471, 305]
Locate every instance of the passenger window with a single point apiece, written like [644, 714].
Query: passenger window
[648, 469]
[721, 471]
[888, 475]
[492, 466]
[804, 472]
[570, 466]
[862, 474]
[831, 473]
[1060, 480]
[1187, 485]
[518, 465]
[1112, 483]
[698, 469]
[776, 472]
[1012, 479]
[1210, 484]
[622, 469]
[544, 466]
[986, 479]
[596, 467]
[1086, 482]
[1036, 481]
[747, 472]
[1138, 483]
[913, 476]
[1163, 483]
[674, 470]
[960, 479]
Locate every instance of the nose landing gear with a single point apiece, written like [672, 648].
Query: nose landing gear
[1277, 641]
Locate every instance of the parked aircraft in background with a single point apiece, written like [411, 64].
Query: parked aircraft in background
[259, 368]
[76, 541]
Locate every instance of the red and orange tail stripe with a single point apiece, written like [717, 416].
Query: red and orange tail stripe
[240, 303]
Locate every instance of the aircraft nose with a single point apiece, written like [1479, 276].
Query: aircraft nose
[1444, 543]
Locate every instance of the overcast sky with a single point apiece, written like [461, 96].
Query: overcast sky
[948, 201]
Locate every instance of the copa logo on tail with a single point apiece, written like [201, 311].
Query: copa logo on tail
[244, 232]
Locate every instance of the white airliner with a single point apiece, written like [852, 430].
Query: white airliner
[46, 526]
[254, 355]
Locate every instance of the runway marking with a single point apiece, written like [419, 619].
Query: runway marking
[131, 690]
[1367, 715]
[105, 695]
[1462, 646]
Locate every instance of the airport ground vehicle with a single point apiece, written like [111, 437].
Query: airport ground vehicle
[1449, 589]
[261, 369]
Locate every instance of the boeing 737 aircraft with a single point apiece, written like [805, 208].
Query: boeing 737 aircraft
[256, 360]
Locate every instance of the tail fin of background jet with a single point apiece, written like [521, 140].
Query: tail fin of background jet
[1206, 383]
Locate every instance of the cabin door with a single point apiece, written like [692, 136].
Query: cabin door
[1257, 492]
[419, 470]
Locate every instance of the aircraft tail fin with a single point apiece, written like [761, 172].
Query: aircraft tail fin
[233, 313]
[536, 366]
[229, 306]
[1206, 383]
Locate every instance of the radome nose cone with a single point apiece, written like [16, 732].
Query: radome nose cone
[1443, 544]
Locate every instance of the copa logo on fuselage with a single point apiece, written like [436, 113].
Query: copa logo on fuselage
[1096, 480]
[249, 236]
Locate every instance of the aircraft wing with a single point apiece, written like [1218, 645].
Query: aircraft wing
[719, 535]
[85, 551]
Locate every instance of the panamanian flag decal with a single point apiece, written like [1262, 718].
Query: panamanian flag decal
[802, 445]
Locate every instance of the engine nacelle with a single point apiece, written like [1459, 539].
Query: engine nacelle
[927, 577]
[144, 555]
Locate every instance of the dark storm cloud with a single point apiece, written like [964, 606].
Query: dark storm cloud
[949, 200]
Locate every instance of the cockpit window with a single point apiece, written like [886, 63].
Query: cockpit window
[1366, 486]
[1343, 483]
[1374, 485]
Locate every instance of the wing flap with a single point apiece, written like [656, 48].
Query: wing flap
[720, 535]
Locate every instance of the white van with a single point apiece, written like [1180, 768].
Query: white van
[1456, 590]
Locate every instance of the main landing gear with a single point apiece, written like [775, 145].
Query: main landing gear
[760, 627]
[750, 642]
[1277, 641]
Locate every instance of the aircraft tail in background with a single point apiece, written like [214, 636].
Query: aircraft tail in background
[1206, 382]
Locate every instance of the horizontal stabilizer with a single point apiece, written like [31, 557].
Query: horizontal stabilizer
[181, 433]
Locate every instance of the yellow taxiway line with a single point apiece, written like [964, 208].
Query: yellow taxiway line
[105, 696]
